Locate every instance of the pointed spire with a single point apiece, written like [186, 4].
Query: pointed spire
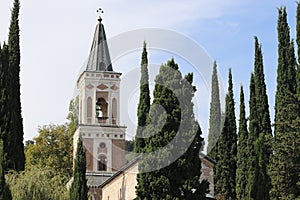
[99, 58]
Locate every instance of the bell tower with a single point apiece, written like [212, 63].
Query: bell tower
[99, 112]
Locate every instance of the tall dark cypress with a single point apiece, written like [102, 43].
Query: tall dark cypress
[144, 102]
[227, 150]
[2, 125]
[15, 157]
[252, 171]
[79, 189]
[215, 115]
[242, 154]
[4, 100]
[3, 91]
[172, 132]
[284, 165]
[264, 125]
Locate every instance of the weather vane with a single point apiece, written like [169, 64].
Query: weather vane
[100, 11]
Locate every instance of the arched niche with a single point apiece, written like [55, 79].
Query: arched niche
[114, 110]
[89, 105]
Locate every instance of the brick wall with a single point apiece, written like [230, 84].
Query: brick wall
[88, 145]
[118, 154]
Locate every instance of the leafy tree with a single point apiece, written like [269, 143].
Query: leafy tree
[79, 189]
[129, 145]
[37, 183]
[242, 154]
[129, 148]
[227, 150]
[170, 133]
[284, 167]
[144, 102]
[73, 115]
[52, 149]
[13, 144]
[215, 115]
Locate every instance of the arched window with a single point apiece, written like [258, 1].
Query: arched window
[89, 109]
[102, 163]
[101, 108]
[114, 111]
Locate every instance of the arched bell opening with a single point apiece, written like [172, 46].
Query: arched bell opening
[101, 110]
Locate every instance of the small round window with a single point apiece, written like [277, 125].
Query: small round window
[102, 145]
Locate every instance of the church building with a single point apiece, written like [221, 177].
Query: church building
[102, 135]
[99, 113]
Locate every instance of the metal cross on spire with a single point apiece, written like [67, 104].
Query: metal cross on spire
[100, 11]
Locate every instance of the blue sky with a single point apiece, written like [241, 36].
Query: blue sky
[56, 38]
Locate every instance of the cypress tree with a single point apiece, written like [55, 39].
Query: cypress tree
[284, 167]
[15, 147]
[227, 150]
[4, 101]
[252, 171]
[79, 189]
[172, 133]
[143, 112]
[144, 102]
[215, 115]
[263, 142]
[261, 95]
[242, 154]
[3, 95]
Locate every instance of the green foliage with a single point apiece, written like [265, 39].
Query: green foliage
[285, 168]
[129, 148]
[129, 145]
[252, 172]
[13, 143]
[52, 149]
[227, 150]
[37, 183]
[79, 188]
[73, 115]
[144, 103]
[177, 129]
[2, 178]
[5, 193]
[285, 161]
[3, 93]
[242, 154]
[215, 115]
[264, 133]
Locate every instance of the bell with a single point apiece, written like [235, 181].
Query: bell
[99, 111]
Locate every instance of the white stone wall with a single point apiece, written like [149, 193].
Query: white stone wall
[89, 84]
